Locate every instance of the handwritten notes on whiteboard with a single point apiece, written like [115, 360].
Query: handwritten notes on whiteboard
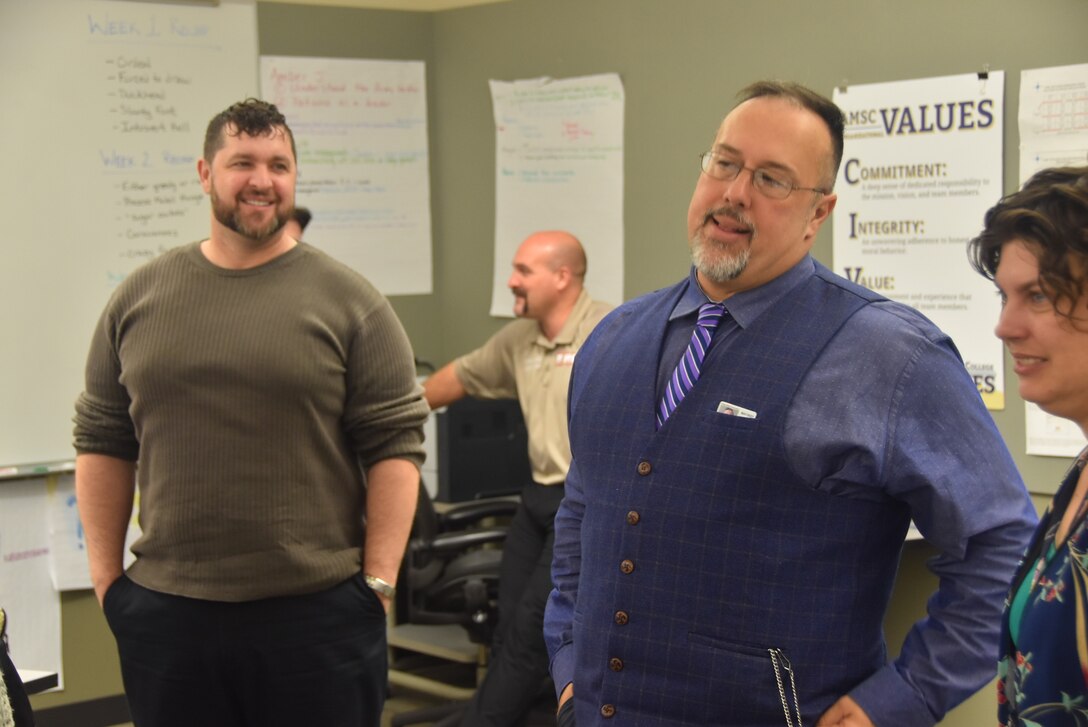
[559, 166]
[361, 131]
[159, 74]
[102, 125]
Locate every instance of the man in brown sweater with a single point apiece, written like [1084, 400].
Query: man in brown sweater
[263, 398]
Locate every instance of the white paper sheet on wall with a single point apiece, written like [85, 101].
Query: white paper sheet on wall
[67, 544]
[361, 131]
[559, 166]
[26, 589]
[1053, 133]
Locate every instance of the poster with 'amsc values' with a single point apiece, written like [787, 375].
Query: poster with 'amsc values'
[922, 164]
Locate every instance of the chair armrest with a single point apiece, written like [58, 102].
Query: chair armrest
[471, 512]
[461, 540]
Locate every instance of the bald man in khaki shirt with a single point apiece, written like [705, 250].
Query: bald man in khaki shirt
[529, 358]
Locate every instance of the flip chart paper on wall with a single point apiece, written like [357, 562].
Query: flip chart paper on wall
[361, 131]
[26, 591]
[68, 564]
[1053, 133]
[559, 166]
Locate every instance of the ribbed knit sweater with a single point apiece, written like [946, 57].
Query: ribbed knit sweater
[252, 400]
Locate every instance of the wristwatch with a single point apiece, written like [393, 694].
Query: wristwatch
[381, 587]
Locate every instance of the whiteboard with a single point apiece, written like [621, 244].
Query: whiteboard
[105, 106]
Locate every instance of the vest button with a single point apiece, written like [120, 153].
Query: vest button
[627, 566]
[615, 664]
[633, 518]
[621, 618]
[644, 468]
[608, 711]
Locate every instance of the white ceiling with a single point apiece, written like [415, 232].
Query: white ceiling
[420, 5]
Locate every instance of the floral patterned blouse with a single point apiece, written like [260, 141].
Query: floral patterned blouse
[1043, 675]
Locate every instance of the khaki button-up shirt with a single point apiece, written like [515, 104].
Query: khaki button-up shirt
[519, 361]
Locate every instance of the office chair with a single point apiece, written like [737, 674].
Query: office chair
[447, 602]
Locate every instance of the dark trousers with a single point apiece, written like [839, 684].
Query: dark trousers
[318, 659]
[518, 669]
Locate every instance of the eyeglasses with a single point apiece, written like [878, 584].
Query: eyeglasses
[772, 184]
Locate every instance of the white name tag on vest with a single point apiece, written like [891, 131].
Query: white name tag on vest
[734, 410]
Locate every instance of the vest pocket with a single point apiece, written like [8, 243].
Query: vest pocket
[751, 685]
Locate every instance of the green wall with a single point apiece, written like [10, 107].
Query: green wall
[681, 62]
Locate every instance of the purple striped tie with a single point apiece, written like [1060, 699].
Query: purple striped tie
[687, 370]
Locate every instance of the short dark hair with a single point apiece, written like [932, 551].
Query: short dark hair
[252, 117]
[806, 98]
[1050, 214]
[302, 216]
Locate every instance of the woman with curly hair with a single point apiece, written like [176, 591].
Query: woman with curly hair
[1034, 246]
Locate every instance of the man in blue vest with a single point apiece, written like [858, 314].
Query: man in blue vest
[749, 448]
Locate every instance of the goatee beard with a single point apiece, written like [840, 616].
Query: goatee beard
[713, 260]
[721, 269]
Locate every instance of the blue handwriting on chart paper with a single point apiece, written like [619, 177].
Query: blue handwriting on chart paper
[104, 25]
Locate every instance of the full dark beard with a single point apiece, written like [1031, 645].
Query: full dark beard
[232, 220]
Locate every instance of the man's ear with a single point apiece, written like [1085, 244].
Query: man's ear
[820, 214]
[204, 171]
[565, 276]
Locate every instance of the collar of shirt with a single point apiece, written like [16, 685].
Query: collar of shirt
[569, 331]
[743, 309]
[747, 306]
